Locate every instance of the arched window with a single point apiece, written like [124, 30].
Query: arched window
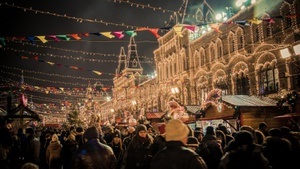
[256, 34]
[242, 85]
[212, 52]
[222, 84]
[202, 57]
[268, 80]
[219, 49]
[231, 43]
[240, 39]
[203, 92]
[287, 21]
[206, 60]
[295, 72]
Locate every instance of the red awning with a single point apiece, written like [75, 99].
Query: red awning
[154, 115]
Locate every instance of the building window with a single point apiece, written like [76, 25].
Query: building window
[231, 44]
[287, 21]
[220, 51]
[242, 85]
[212, 53]
[256, 34]
[221, 84]
[203, 94]
[268, 80]
[241, 42]
[202, 60]
[295, 72]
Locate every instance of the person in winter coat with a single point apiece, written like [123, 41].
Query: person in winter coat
[245, 154]
[93, 154]
[53, 153]
[176, 154]
[138, 154]
[118, 148]
[32, 148]
[69, 147]
[210, 149]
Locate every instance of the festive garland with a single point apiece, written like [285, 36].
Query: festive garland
[289, 100]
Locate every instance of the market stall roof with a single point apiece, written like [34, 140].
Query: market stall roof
[22, 112]
[154, 115]
[250, 101]
[2, 112]
[192, 108]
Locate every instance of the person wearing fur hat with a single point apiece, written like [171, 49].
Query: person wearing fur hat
[138, 154]
[176, 154]
[93, 154]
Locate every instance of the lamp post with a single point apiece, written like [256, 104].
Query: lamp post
[175, 90]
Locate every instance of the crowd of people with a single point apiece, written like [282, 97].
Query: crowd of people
[174, 146]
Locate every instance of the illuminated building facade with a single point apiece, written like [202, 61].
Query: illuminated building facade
[258, 58]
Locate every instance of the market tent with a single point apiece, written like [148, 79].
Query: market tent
[192, 109]
[244, 109]
[22, 114]
[154, 115]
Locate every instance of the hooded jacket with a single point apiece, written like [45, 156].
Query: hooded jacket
[53, 153]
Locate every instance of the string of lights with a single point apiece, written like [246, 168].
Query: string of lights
[80, 20]
[82, 52]
[43, 80]
[55, 75]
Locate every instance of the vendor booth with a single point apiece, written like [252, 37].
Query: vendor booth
[237, 110]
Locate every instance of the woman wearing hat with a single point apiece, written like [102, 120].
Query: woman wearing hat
[138, 154]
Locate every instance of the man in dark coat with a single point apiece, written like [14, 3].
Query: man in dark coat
[32, 148]
[176, 154]
[93, 154]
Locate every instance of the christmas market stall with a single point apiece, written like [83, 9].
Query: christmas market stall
[292, 119]
[237, 110]
[21, 115]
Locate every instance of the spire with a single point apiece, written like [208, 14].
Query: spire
[22, 79]
[22, 83]
[122, 62]
[133, 63]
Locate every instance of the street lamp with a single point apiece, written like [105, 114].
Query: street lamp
[285, 53]
[297, 49]
[292, 64]
[175, 90]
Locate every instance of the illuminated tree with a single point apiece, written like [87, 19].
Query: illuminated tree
[73, 119]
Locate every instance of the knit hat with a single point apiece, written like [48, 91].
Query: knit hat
[140, 128]
[91, 133]
[210, 130]
[176, 130]
[244, 137]
[192, 141]
[79, 129]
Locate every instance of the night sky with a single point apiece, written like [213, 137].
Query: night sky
[41, 18]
